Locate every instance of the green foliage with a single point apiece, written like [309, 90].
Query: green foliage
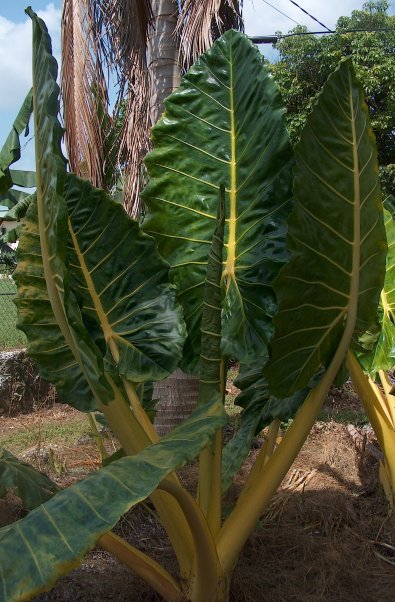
[33, 487]
[337, 264]
[224, 125]
[94, 504]
[113, 283]
[11, 151]
[378, 343]
[101, 316]
[306, 61]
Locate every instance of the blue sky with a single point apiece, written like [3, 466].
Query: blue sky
[15, 41]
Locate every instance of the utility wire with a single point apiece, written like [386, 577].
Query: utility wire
[273, 39]
[309, 15]
[281, 13]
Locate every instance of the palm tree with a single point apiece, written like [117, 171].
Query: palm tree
[145, 45]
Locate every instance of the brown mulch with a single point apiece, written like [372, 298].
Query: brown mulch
[327, 536]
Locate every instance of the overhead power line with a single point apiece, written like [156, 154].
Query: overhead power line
[309, 15]
[273, 38]
[281, 13]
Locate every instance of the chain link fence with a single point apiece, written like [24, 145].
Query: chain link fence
[10, 336]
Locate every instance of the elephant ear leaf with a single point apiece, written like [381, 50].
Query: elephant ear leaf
[210, 377]
[224, 125]
[46, 342]
[122, 285]
[52, 230]
[379, 341]
[329, 290]
[33, 487]
[94, 285]
[68, 525]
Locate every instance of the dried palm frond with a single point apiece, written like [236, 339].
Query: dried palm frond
[134, 142]
[202, 22]
[84, 92]
[121, 28]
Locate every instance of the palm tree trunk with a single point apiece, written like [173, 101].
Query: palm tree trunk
[178, 393]
[163, 55]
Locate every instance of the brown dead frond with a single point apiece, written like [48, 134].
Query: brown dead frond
[122, 29]
[200, 23]
[84, 92]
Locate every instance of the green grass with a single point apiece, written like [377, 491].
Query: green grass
[343, 416]
[10, 336]
[25, 437]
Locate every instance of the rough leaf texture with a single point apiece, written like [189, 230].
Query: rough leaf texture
[224, 125]
[336, 236]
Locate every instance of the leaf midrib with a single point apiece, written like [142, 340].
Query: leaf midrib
[229, 271]
[105, 324]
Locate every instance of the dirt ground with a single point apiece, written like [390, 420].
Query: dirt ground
[326, 536]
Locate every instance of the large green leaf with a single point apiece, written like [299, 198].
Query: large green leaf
[53, 219]
[33, 487]
[11, 150]
[224, 125]
[122, 285]
[90, 282]
[381, 338]
[336, 237]
[18, 211]
[52, 539]
[46, 343]
[210, 357]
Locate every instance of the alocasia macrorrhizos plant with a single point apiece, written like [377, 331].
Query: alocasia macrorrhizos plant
[101, 317]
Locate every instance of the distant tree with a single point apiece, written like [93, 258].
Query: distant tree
[306, 61]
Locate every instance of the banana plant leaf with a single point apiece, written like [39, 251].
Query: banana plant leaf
[18, 211]
[21, 177]
[223, 126]
[33, 487]
[336, 236]
[53, 539]
[379, 341]
[12, 197]
[12, 235]
[11, 150]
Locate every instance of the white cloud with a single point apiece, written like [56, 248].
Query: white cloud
[15, 55]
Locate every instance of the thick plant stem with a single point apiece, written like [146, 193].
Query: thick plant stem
[210, 474]
[139, 411]
[162, 55]
[263, 456]
[247, 512]
[207, 579]
[389, 396]
[146, 568]
[375, 405]
[133, 439]
[252, 504]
